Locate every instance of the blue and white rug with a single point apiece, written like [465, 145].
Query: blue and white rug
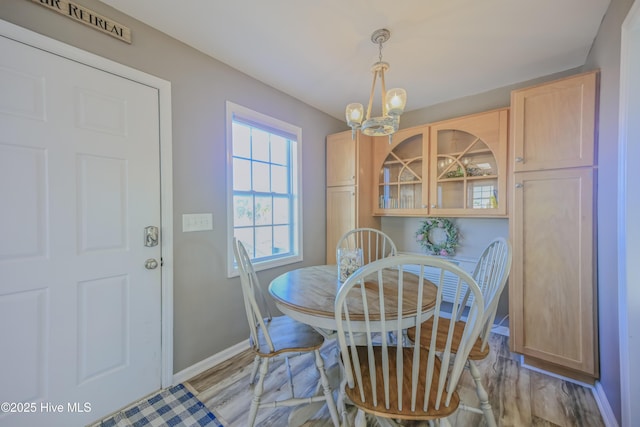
[175, 406]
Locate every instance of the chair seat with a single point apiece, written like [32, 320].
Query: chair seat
[394, 411]
[288, 336]
[477, 353]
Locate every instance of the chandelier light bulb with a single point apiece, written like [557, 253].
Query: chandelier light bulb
[396, 100]
[354, 113]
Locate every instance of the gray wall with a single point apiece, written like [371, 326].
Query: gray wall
[208, 310]
[605, 54]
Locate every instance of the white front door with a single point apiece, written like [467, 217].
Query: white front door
[80, 314]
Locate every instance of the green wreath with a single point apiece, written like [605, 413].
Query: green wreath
[438, 236]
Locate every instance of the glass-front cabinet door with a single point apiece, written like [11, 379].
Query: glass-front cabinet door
[468, 165]
[402, 187]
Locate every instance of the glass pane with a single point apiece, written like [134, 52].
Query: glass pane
[280, 181]
[390, 172]
[281, 240]
[483, 195]
[411, 172]
[241, 175]
[242, 210]
[260, 145]
[280, 210]
[264, 242]
[451, 195]
[279, 150]
[245, 235]
[241, 140]
[389, 197]
[261, 178]
[410, 196]
[264, 210]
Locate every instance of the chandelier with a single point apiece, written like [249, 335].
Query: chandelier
[393, 101]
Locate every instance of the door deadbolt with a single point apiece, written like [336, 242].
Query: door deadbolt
[151, 236]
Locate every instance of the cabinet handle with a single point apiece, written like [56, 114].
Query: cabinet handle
[518, 185]
[519, 159]
[434, 206]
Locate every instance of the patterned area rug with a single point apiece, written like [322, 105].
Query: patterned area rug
[175, 406]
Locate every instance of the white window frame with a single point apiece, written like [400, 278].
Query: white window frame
[235, 110]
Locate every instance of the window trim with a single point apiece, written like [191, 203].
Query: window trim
[249, 115]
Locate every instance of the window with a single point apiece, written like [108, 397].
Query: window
[263, 182]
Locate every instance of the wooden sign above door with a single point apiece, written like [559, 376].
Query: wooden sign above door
[88, 17]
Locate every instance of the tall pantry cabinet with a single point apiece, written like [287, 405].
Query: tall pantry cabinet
[552, 286]
[349, 194]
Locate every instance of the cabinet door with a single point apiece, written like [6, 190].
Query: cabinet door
[401, 182]
[553, 124]
[551, 286]
[341, 216]
[341, 159]
[469, 165]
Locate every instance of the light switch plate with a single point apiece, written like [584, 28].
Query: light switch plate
[197, 222]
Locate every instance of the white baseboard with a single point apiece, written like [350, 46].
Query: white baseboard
[210, 362]
[603, 403]
[552, 374]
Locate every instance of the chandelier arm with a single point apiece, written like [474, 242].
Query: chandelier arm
[373, 88]
[384, 93]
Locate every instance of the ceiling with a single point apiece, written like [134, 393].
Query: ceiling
[321, 51]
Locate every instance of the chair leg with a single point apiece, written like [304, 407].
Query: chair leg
[360, 420]
[254, 370]
[324, 380]
[290, 375]
[257, 391]
[342, 406]
[482, 395]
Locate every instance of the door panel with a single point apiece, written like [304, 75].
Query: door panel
[80, 175]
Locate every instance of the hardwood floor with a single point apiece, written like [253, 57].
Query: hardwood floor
[519, 397]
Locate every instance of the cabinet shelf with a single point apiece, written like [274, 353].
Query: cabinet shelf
[468, 178]
[466, 153]
[402, 162]
[385, 184]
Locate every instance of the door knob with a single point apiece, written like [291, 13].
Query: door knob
[150, 264]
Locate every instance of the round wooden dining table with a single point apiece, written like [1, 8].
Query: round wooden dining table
[308, 295]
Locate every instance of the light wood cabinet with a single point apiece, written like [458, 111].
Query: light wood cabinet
[451, 168]
[552, 290]
[553, 124]
[342, 159]
[349, 177]
[469, 165]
